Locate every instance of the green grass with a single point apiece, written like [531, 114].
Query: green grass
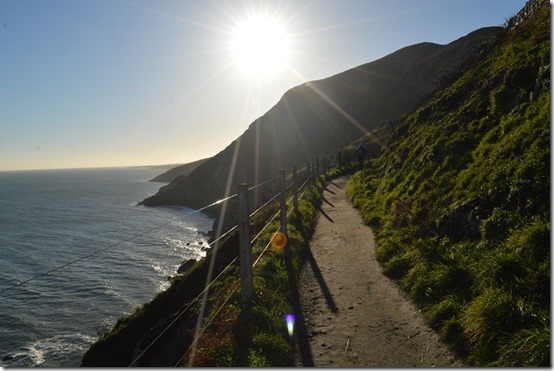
[259, 337]
[459, 199]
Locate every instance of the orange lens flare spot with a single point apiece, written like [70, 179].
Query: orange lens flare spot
[279, 241]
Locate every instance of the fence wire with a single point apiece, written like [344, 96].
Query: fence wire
[213, 243]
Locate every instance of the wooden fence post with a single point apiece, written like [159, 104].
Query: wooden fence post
[246, 278]
[294, 189]
[283, 199]
[309, 172]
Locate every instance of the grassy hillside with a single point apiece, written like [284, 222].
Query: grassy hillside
[459, 198]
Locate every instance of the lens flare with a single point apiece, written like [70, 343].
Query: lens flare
[289, 319]
[279, 241]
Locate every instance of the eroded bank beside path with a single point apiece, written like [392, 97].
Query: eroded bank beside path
[354, 315]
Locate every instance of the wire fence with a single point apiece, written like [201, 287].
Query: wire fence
[199, 329]
[310, 172]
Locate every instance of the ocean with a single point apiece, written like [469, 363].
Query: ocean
[106, 256]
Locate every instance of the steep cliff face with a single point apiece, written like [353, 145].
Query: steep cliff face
[321, 117]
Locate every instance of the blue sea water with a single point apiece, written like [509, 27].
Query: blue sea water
[53, 217]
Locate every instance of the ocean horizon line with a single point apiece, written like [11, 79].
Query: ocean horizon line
[160, 166]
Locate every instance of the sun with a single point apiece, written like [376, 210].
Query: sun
[260, 46]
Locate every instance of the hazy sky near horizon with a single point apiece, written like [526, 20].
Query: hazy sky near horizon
[87, 83]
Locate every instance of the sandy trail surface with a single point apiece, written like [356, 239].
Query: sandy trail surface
[352, 315]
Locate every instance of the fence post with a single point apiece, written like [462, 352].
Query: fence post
[309, 172]
[246, 279]
[283, 199]
[294, 189]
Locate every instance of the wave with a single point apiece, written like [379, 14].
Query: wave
[53, 218]
[59, 350]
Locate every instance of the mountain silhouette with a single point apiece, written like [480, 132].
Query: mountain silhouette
[177, 171]
[320, 117]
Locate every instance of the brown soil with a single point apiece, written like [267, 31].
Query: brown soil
[354, 316]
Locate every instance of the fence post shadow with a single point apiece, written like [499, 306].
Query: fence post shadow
[333, 183]
[300, 321]
[302, 339]
[320, 209]
[315, 268]
[321, 281]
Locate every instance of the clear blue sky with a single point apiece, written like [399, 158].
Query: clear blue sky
[87, 83]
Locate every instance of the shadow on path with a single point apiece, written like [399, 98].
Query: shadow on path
[325, 214]
[327, 202]
[321, 281]
[301, 339]
[328, 190]
[335, 184]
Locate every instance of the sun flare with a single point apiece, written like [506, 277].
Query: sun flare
[260, 46]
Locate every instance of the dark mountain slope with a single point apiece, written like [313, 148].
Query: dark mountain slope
[459, 199]
[175, 172]
[321, 117]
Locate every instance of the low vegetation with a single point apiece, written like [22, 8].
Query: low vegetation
[227, 336]
[459, 198]
[259, 337]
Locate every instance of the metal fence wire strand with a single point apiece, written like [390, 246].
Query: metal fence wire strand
[200, 332]
[150, 230]
[208, 281]
[197, 336]
[184, 311]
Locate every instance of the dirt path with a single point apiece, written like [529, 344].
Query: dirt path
[355, 316]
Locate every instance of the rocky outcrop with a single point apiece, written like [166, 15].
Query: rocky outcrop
[530, 8]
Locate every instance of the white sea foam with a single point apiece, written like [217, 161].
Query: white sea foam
[50, 218]
[37, 355]
[189, 248]
[48, 352]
